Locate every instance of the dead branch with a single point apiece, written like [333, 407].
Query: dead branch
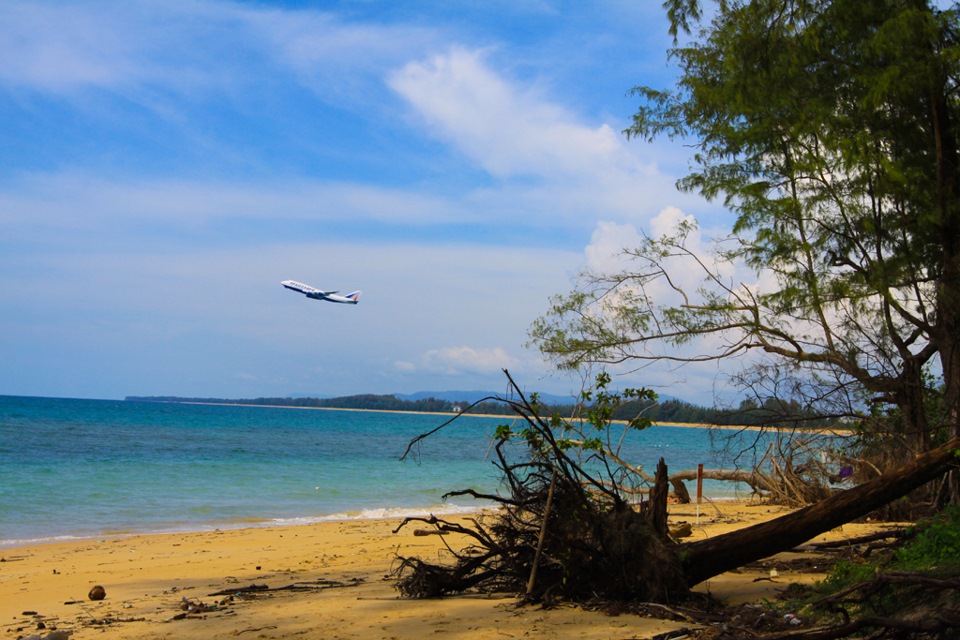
[850, 542]
[296, 586]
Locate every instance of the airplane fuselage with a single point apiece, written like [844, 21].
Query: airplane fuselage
[316, 294]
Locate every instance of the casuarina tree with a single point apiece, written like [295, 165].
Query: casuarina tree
[831, 132]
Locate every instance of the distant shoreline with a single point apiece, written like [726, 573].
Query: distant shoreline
[835, 431]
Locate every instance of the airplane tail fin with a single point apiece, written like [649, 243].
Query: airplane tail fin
[353, 297]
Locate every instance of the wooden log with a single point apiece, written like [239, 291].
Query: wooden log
[707, 558]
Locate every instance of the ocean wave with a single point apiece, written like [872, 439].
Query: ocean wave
[379, 514]
[26, 542]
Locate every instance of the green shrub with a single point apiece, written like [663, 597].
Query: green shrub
[935, 545]
[845, 574]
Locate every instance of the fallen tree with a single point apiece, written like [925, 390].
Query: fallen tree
[707, 558]
[564, 531]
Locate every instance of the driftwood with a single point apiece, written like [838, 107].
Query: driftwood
[315, 585]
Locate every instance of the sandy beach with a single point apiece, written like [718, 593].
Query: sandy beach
[325, 580]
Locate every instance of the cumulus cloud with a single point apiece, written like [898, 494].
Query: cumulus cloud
[610, 241]
[671, 367]
[464, 359]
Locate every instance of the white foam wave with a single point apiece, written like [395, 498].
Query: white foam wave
[27, 542]
[379, 514]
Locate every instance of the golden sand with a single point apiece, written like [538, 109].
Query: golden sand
[340, 569]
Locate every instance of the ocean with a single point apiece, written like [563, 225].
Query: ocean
[76, 469]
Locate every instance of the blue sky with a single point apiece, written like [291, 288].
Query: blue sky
[166, 164]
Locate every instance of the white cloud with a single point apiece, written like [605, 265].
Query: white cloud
[549, 163]
[56, 47]
[666, 222]
[671, 368]
[464, 359]
[508, 131]
[76, 199]
[609, 240]
[404, 367]
[62, 48]
[193, 48]
[334, 57]
[605, 254]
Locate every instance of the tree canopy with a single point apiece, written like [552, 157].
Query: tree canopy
[829, 128]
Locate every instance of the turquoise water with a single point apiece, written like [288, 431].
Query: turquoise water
[84, 468]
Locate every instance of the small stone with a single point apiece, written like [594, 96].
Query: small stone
[97, 593]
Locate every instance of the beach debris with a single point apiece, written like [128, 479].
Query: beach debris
[239, 591]
[191, 605]
[97, 593]
[315, 585]
[681, 530]
[792, 619]
[194, 608]
[236, 633]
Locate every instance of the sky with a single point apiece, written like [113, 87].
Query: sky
[165, 164]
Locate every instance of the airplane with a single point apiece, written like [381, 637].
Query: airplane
[317, 294]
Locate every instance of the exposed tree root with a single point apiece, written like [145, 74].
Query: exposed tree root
[588, 550]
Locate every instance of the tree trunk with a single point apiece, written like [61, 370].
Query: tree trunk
[707, 558]
[947, 157]
[655, 509]
[756, 481]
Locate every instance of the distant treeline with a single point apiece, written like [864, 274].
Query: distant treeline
[367, 401]
[669, 411]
